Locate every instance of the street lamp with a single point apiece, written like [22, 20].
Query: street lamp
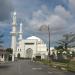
[49, 40]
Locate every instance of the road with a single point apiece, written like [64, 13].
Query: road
[26, 67]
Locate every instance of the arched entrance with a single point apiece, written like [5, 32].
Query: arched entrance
[38, 56]
[29, 53]
[18, 55]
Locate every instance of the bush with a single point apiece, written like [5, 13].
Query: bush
[46, 62]
[63, 61]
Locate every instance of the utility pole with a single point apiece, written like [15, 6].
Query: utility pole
[49, 41]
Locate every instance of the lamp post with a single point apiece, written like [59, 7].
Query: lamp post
[49, 41]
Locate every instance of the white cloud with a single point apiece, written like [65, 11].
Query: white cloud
[72, 2]
[55, 19]
[72, 6]
[59, 20]
[61, 11]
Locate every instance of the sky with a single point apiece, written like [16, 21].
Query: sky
[36, 15]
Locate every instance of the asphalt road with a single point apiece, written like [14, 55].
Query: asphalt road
[26, 67]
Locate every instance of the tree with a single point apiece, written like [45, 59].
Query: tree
[65, 44]
[67, 41]
[73, 53]
[9, 52]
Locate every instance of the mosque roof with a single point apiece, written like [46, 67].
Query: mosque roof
[34, 38]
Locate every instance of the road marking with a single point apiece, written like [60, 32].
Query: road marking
[37, 68]
[50, 72]
[33, 68]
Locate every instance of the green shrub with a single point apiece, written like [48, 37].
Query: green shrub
[46, 62]
[64, 61]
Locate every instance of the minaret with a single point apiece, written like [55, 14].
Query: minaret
[20, 33]
[13, 34]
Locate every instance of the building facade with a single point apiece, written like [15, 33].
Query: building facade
[2, 54]
[31, 47]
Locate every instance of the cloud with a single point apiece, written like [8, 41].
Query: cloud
[61, 11]
[72, 6]
[59, 21]
[37, 14]
[5, 9]
[56, 20]
[72, 2]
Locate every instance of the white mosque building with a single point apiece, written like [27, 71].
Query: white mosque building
[31, 47]
[27, 48]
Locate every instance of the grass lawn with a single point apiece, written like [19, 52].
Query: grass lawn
[71, 66]
[68, 66]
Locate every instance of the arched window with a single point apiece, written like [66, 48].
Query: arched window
[29, 53]
[20, 49]
[18, 55]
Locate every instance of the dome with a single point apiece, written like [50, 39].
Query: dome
[34, 38]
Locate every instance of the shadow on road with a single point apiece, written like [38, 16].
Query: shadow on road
[4, 66]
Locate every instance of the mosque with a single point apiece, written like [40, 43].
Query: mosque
[30, 47]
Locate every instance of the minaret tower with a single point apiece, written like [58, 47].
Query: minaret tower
[13, 34]
[20, 33]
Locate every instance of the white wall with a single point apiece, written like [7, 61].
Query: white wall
[2, 59]
[37, 48]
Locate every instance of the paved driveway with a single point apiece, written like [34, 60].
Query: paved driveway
[26, 67]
